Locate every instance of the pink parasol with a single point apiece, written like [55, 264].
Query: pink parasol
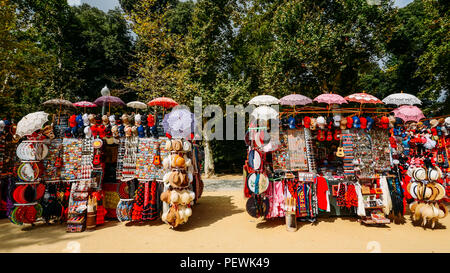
[85, 104]
[330, 99]
[363, 98]
[408, 113]
[295, 99]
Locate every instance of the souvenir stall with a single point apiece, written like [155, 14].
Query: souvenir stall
[101, 166]
[335, 161]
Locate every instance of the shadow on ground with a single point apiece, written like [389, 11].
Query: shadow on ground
[209, 210]
[39, 234]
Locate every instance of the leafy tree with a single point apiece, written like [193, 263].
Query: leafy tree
[23, 65]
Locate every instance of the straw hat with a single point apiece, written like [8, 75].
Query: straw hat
[321, 122]
[434, 123]
[166, 162]
[433, 174]
[178, 161]
[435, 192]
[420, 174]
[187, 146]
[168, 145]
[313, 124]
[165, 196]
[177, 145]
[441, 193]
[343, 124]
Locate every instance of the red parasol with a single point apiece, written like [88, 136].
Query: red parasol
[163, 102]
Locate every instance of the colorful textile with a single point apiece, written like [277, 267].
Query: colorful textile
[323, 193]
[147, 149]
[275, 193]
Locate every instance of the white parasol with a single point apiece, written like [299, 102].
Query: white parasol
[402, 99]
[31, 123]
[179, 123]
[137, 105]
[264, 100]
[264, 113]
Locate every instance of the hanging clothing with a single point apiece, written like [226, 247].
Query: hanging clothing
[139, 203]
[340, 200]
[361, 211]
[150, 211]
[386, 196]
[351, 199]
[275, 193]
[323, 194]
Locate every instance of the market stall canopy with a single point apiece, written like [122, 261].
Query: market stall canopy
[137, 105]
[264, 100]
[363, 98]
[85, 104]
[163, 102]
[264, 113]
[295, 99]
[402, 99]
[179, 123]
[408, 113]
[58, 102]
[330, 99]
[109, 100]
[31, 123]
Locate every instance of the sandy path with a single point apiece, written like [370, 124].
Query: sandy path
[220, 224]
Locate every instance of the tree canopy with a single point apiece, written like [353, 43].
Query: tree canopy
[224, 51]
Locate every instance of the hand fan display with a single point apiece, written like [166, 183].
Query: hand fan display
[254, 160]
[258, 183]
[257, 207]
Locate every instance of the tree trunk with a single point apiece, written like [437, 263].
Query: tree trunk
[209, 161]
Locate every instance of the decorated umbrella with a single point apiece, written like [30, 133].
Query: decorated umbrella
[137, 105]
[110, 100]
[179, 123]
[58, 102]
[31, 123]
[330, 99]
[363, 98]
[295, 99]
[85, 104]
[408, 113]
[264, 113]
[264, 100]
[163, 102]
[402, 99]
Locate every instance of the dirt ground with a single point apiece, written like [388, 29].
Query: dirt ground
[220, 224]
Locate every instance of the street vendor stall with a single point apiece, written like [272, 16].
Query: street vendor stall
[129, 167]
[334, 161]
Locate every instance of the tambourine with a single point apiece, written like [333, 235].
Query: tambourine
[258, 183]
[97, 143]
[28, 171]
